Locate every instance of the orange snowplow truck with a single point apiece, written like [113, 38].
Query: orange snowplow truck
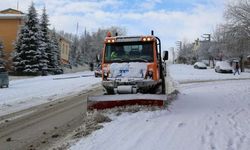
[132, 71]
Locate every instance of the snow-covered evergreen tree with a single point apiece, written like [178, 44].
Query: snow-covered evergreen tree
[27, 56]
[55, 59]
[18, 64]
[45, 46]
[1, 54]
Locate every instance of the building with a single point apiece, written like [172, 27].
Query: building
[10, 24]
[11, 21]
[64, 45]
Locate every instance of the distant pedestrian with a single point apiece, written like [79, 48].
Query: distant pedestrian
[236, 69]
[91, 66]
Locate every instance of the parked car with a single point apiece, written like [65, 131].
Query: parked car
[223, 67]
[98, 71]
[4, 78]
[200, 65]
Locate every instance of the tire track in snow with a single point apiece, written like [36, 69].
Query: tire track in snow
[210, 133]
[212, 130]
[238, 140]
[207, 137]
[198, 120]
[240, 137]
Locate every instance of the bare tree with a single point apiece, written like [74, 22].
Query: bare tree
[236, 35]
[238, 15]
[92, 44]
[186, 54]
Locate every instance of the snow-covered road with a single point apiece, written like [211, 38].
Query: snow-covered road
[206, 116]
[209, 116]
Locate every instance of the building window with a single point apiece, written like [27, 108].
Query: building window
[63, 48]
[67, 51]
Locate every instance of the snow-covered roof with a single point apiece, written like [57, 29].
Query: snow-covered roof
[11, 11]
[12, 16]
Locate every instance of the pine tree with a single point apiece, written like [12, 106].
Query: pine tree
[18, 63]
[45, 47]
[2, 62]
[27, 57]
[55, 59]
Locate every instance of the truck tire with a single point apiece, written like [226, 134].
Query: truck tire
[163, 86]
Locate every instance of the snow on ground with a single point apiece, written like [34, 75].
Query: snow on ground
[186, 73]
[208, 116]
[24, 93]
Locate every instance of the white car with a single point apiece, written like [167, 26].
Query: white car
[200, 65]
[223, 67]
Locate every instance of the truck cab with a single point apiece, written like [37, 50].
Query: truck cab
[132, 64]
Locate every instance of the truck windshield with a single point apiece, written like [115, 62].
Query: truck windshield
[129, 52]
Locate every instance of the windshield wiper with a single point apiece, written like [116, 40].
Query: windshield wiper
[128, 60]
[140, 59]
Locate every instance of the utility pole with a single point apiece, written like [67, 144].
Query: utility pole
[173, 56]
[207, 38]
[17, 5]
[77, 27]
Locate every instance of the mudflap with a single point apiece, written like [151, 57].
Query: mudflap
[110, 101]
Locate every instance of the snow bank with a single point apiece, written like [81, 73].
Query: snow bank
[206, 116]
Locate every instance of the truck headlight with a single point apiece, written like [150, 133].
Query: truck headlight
[105, 74]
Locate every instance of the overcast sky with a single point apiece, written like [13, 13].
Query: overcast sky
[172, 20]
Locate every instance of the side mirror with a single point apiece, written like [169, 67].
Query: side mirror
[165, 55]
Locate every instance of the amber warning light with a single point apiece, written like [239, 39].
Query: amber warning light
[144, 39]
[110, 40]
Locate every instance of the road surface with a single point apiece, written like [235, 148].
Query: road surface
[41, 126]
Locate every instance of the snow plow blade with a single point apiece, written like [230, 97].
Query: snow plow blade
[110, 101]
